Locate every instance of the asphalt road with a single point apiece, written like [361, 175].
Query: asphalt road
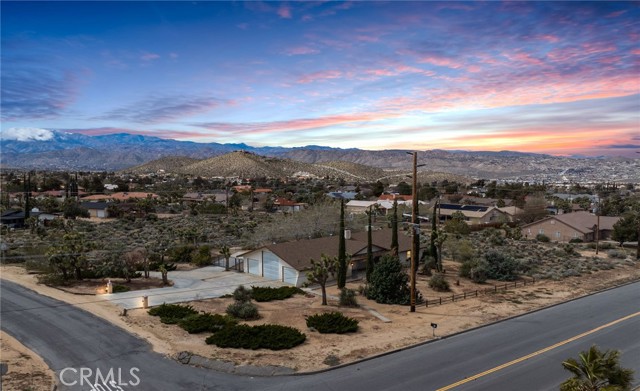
[70, 339]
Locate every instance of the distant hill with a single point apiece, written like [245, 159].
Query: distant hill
[166, 164]
[67, 151]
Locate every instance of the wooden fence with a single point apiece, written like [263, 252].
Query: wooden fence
[466, 295]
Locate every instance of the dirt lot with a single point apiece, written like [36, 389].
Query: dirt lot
[374, 336]
[26, 370]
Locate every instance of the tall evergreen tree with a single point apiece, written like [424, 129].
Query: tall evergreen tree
[433, 248]
[27, 197]
[394, 229]
[342, 251]
[369, 247]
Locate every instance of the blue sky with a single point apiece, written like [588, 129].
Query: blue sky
[550, 77]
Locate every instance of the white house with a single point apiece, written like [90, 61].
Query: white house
[290, 261]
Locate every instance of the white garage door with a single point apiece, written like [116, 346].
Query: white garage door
[254, 266]
[271, 266]
[290, 275]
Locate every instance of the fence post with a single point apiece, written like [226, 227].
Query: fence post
[440, 300]
[465, 295]
[453, 298]
[495, 288]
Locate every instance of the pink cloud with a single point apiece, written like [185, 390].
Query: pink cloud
[616, 14]
[300, 50]
[294, 124]
[284, 12]
[441, 61]
[318, 76]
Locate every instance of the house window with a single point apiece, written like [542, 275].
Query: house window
[575, 234]
[541, 231]
[557, 234]
[553, 222]
[528, 231]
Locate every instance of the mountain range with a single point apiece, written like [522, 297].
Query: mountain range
[71, 151]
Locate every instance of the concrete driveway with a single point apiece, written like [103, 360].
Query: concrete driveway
[204, 283]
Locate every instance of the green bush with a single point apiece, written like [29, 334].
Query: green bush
[172, 313]
[439, 283]
[261, 294]
[348, 298]
[243, 310]
[242, 294]
[120, 289]
[576, 240]
[199, 323]
[500, 266]
[475, 269]
[267, 336]
[389, 284]
[332, 323]
[542, 238]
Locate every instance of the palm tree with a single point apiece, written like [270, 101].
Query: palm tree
[597, 371]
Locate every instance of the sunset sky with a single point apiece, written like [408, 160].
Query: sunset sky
[547, 77]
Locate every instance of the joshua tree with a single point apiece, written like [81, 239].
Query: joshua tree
[321, 271]
[226, 253]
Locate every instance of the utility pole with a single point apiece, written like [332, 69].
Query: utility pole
[414, 231]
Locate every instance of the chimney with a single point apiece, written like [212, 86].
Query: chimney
[347, 234]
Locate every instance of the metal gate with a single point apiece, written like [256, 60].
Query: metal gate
[270, 266]
[289, 275]
[254, 266]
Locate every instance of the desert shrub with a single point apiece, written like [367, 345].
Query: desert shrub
[262, 294]
[497, 239]
[570, 273]
[199, 323]
[332, 323]
[475, 269]
[172, 313]
[500, 266]
[389, 283]
[542, 238]
[348, 298]
[267, 336]
[439, 283]
[569, 249]
[605, 246]
[120, 288]
[617, 254]
[52, 279]
[242, 294]
[576, 240]
[182, 254]
[243, 310]
[201, 256]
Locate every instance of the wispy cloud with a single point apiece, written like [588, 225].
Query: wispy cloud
[165, 108]
[291, 125]
[30, 90]
[319, 76]
[300, 50]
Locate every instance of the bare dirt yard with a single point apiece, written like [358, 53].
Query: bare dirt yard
[374, 335]
[26, 370]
